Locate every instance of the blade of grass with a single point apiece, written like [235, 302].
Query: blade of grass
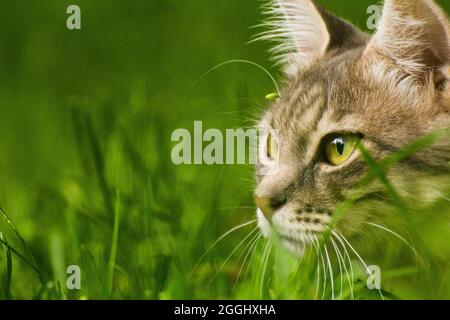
[99, 163]
[57, 261]
[398, 201]
[410, 150]
[60, 291]
[89, 149]
[8, 275]
[24, 245]
[115, 236]
[161, 274]
[29, 263]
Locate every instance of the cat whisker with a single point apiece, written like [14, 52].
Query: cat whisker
[330, 269]
[318, 277]
[265, 261]
[349, 262]
[324, 268]
[307, 265]
[340, 266]
[211, 246]
[395, 234]
[318, 265]
[252, 256]
[233, 252]
[360, 259]
[251, 246]
[317, 244]
[241, 61]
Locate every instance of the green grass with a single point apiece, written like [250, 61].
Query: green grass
[86, 177]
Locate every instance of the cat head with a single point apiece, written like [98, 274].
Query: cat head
[346, 89]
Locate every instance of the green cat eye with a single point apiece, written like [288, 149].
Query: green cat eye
[272, 146]
[339, 148]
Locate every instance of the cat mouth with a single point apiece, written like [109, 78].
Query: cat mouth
[304, 238]
[295, 236]
[295, 245]
[293, 240]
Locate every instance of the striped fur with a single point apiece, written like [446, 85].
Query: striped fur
[391, 89]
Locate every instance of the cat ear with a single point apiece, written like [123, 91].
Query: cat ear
[303, 32]
[414, 37]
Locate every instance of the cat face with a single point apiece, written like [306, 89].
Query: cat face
[345, 89]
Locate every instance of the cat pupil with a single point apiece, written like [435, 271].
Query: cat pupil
[340, 145]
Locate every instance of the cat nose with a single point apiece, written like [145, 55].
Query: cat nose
[268, 205]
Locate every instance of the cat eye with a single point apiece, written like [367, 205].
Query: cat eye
[272, 146]
[340, 147]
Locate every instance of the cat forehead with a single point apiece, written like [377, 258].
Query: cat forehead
[315, 96]
[304, 101]
[317, 88]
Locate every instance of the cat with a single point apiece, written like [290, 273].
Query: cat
[348, 98]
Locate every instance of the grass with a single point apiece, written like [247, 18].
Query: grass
[86, 177]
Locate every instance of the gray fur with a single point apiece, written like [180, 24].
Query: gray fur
[361, 87]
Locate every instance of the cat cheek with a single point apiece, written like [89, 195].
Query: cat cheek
[446, 87]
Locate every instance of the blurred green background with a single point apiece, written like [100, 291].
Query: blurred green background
[85, 124]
